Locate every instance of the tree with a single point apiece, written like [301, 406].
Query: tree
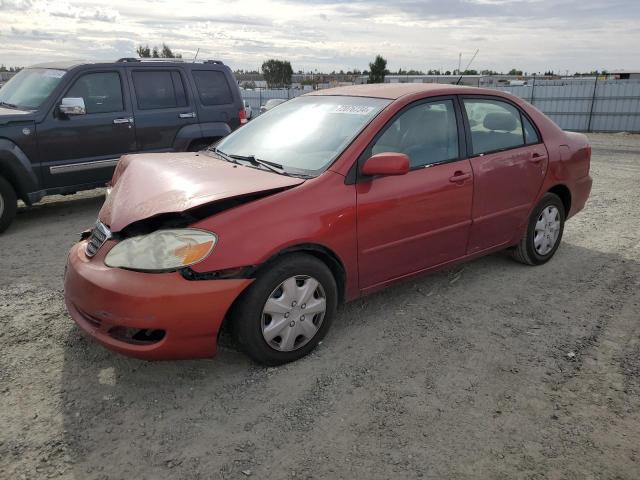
[513, 71]
[144, 52]
[167, 53]
[277, 73]
[377, 70]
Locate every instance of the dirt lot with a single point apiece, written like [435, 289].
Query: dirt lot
[492, 370]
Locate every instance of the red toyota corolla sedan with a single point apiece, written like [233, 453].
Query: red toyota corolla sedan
[322, 199]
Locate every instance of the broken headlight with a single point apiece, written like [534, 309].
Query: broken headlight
[162, 250]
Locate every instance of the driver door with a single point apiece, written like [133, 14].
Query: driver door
[413, 222]
[84, 149]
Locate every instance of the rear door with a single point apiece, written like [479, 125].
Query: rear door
[419, 220]
[509, 162]
[83, 149]
[162, 106]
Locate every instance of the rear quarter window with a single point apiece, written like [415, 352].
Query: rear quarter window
[212, 87]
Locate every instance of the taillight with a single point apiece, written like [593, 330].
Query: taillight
[242, 115]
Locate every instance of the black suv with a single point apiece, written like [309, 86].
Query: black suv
[63, 126]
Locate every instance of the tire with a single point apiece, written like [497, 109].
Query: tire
[279, 288]
[198, 145]
[8, 204]
[538, 246]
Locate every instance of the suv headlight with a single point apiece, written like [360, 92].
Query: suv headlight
[162, 250]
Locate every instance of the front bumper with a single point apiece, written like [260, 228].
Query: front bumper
[105, 302]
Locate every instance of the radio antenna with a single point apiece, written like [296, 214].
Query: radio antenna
[194, 58]
[468, 65]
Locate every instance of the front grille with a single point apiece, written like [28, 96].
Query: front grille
[99, 235]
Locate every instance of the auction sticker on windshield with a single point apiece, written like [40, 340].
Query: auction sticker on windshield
[353, 109]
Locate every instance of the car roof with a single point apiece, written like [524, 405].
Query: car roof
[61, 65]
[393, 91]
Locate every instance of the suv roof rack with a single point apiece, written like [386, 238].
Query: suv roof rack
[179, 60]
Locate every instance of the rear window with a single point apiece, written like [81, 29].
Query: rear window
[213, 88]
[159, 89]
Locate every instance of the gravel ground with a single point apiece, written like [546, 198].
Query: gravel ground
[492, 370]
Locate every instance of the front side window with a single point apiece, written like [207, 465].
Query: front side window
[306, 134]
[495, 125]
[427, 133]
[159, 89]
[30, 88]
[213, 88]
[101, 92]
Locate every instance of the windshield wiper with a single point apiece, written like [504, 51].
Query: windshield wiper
[226, 157]
[274, 167]
[9, 105]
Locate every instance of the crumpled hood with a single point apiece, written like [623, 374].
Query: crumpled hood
[8, 115]
[147, 185]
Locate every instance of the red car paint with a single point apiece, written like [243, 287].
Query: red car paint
[154, 184]
[378, 232]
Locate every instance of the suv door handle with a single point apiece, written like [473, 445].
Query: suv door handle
[459, 177]
[188, 115]
[122, 120]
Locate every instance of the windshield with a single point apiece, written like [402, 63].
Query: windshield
[303, 135]
[30, 88]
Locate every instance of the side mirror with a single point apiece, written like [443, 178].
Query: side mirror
[72, 106]
[387, 163]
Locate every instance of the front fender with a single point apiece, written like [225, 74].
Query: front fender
[16, 167]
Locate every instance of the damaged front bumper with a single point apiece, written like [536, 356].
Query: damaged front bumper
[154, 316]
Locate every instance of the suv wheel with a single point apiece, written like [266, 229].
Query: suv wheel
[544, 232]
[8, 204]
[285, 313]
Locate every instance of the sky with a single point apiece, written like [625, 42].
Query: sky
[324, 35]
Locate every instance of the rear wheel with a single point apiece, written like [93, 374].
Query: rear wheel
[286, 311]
[544, 232]
[8, 204]
[201, 144]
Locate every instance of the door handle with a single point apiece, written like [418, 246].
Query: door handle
[122, 120]
[188, 115]
[459, 177]
[536, 158]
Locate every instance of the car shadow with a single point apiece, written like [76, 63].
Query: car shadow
[54, 209]
[205, 418]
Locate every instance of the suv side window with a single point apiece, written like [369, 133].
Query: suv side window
[212, 86]
[102, 92]
[156, 89]
[495, 125]
[427, 133]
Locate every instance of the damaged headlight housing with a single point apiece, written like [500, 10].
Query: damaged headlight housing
[163, 250]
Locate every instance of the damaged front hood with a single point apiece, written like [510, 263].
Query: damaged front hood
[148, 185]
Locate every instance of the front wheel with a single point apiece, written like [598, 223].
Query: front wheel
[287, 310]
[8, 204]
[544, 232]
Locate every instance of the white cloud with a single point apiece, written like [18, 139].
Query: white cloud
[533, 35]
